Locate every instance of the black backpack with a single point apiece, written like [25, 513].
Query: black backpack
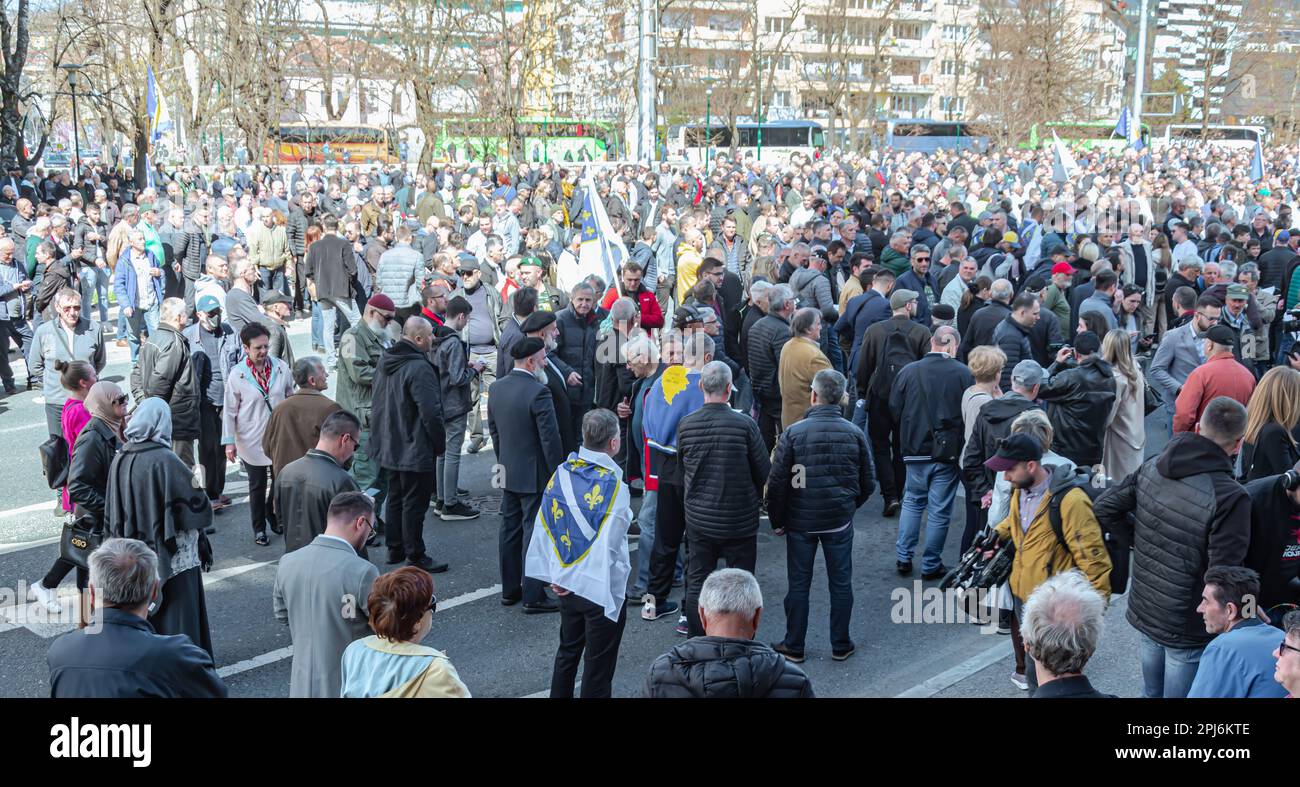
[1117, 545]
[896, 354]
[54, 461]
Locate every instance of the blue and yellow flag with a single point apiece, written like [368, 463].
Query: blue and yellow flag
[675, 395]
[602, 251]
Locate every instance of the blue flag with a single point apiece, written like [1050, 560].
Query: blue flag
[602, 251]
[1122, 126]
[1257, 163]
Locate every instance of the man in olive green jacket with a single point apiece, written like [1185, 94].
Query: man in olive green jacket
[359, 352]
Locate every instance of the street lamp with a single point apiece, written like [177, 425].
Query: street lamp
[708, 128]
[73, 69]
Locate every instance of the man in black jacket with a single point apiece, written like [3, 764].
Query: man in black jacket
[1185, 513]
[521, 412]
[214, 349]
[164, 369]
[1062, 624]
[307, 485]
[992, 425]
[614, 381]
[1275, 537]
[192, 244]
[406, 436]
[987, 318]
[815, 504]
[725, 466]
[578, 325]
[1079, 399]
[926, 403]
[124, 657]
[726, 662]
[1012, 335]
[766, 339]
[331, 265]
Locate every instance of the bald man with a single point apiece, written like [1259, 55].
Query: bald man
[406, 437]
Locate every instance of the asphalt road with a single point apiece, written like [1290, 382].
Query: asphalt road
[499, 651]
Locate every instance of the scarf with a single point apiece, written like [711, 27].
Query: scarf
[99, 403]
[151, 422]
[261, 376]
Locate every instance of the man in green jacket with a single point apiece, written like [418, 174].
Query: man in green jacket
[359, 352]
[896, 256]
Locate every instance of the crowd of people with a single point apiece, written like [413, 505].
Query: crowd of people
[782, 341]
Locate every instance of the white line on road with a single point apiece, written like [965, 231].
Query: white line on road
[956, 674]
[24, 545]
[24, 427]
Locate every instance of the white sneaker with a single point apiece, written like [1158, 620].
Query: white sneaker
[47, 596]
[648, 607]
[1020, 681]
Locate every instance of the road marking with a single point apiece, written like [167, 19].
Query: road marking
[948, 677]
[24, 545]
[283, 653]
[47, 505]
[12, 429]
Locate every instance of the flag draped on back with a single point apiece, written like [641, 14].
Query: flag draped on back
[602, 251]
[1064, 166]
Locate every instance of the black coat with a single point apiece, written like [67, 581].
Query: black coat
[191, 249]
[1013, 339]
[1079, 401]
[1271, 453]
[614, 381]
[303, 491]
[939, 382]
[577, 348]
[570, 431]
[722, 667]
[521, 412]
[1188, 514]
[331, 264]
[992, 424]
[1077, 687]
[766, 340]
[165, 369]
[406, 424]
[1274, 548]
[126, 659]
[871, 355]
[92, 456]
[837, 469]
[982, 325]
[1273, 267]
[151, 498]
[725, 464]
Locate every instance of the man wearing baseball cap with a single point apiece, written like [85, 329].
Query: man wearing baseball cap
[1220, 375]
[1039, 553]
[359, 353]
[214, 348]
[1054, 297]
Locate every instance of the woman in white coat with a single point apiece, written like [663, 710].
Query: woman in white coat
[1122, 452]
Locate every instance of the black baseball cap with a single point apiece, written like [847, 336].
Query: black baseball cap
[1013, 450]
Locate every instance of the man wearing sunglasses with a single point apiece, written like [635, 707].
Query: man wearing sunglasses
[68, 337]
[921, 281]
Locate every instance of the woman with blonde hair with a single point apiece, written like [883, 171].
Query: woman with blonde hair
[1272, 417]
[1122, 452]
[985, 362]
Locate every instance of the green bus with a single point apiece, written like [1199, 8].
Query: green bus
[1099, 135]
[554, 139]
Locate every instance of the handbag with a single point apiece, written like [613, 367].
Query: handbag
[945, 445]
[77, 541]
[54, 461]
[1151, 399]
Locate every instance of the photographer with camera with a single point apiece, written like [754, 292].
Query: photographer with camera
[1040, 553]
[1274, 549]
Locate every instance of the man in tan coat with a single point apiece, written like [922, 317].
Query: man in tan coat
[295, 423]
[801, 360]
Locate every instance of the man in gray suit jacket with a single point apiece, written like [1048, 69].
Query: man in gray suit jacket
[321, 592]
[1181, 351]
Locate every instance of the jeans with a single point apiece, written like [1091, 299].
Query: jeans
[317, 326]
[670, 526]
[831, 348]
[329, 315]
[123, 330]
[1167, 672]
[94, 281]
[932, 487]
[148, 319]
[449, 460]
[273, 279]
[367, 472]
[646, 543]
[478, 387]
[800, 554]
[586, 635]
[702, 555]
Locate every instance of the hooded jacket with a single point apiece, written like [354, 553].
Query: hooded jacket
[450, 356]
[992, 425]
[1188, 514]
[1080, 400]
[406, 422]
[722, 667]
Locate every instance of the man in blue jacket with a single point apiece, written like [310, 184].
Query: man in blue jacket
[864, 311]
[138, 285]
[1239, 661]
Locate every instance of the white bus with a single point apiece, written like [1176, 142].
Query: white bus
[771, 141]
[1225, 136]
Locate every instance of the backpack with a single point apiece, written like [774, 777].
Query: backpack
[1117, 545]
[54, 461]
[897, 354]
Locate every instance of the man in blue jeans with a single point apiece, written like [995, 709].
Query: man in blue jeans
[926, 402]
[821, 474]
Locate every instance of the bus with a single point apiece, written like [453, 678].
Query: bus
[1088, 136]
[1223, 136]
[927, 136]
[332, 143]
[780, 139]
[543, 139]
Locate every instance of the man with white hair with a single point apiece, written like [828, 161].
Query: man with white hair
[726, 662]
[138, 286]
[1061, 626]
[165, 369]
[122, 657]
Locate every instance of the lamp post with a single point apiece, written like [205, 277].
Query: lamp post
[708, 128]
[73, 69]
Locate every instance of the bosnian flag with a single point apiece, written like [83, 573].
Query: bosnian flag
[1064, 166]
[602, 251]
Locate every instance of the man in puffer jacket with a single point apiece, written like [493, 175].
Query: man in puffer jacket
[725, 466]
[1012, 334]
[165, 369]
[726, 662]
[766, 340]
[1188, 514]
[450, 356]
[836, 476]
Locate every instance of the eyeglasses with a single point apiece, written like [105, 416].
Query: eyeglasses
[433, 603]
[122, 400]
[922, 259]
[370, 523]
[76, 308]
[1282, 648]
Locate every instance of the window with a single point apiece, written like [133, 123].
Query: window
[781, 98]
[724, 23]
[952, 68]
[778, 24]
[783, 63]
[1089, 59]
[954, 104]
[397, 102]
[956, 32]
[908, 30]
[719, 62]
[677, 20]
[906, 104]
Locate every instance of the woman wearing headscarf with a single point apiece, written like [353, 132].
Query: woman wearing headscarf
[151, 497]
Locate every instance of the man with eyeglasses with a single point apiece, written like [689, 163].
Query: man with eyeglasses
[1182, 350]
[321, 592]
[1287, 669]
[68, 337]
[921, 281]
[359, 353]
